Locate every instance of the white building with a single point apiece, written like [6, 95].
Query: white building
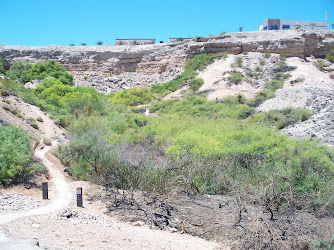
[278, 24]
[134, 41]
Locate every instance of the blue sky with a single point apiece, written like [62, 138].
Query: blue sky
[60, 22]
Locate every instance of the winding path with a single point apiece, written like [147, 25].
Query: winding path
[64, 195]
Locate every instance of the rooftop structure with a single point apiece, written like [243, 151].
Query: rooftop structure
[278, 24]
[134, 41]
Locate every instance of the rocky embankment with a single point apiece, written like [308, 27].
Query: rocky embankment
[111, 68]
[318, 96]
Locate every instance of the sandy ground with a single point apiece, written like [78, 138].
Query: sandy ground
[32, 228]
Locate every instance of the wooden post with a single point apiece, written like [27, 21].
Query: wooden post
[45, 190]
[79, 197]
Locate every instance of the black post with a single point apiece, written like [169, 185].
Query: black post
[45, 190]
[79, 197]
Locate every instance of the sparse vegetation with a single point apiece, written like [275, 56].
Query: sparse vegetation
[47, 141]
[320, 65]
[266, 55]
[199, 62]
[99, 43]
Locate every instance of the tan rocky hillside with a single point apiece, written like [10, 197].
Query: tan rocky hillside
[110, 68]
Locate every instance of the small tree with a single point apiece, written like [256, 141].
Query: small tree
[99, 43]
[275, 26]
[83, 44]
[240, 29]
[135, 42]
[179, 39]
[313, 25]
[72, 44]
[120, 43]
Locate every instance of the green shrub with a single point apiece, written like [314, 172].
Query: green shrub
[238, 61]
[195, 84]
[40, 119]
[329, 56]
[273, 85]
[260, 97]
[262, 62]
[132, 97]
[32, 122]
[280, 119]
[47, 141]
[199, 106]
[41, 71]
[235, 78]
[16, 156]
[18, 71]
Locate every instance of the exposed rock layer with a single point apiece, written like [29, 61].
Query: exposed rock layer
[110, 68]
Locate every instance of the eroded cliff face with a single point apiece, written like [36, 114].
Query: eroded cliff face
[112, 68]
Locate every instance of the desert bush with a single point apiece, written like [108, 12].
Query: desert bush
[18, 71]
[195, 84]
[319, 64]
[238, 61]
[47, 141]
[32, 122]
[262, 62]
[16, 156]
[273, 85]
[329, 56]
[41, 71]
[40, 119]
[260, 97]
[235, 78]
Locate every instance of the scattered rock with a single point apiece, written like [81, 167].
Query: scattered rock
[15, 202]
[33, 84]
[75, 216]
